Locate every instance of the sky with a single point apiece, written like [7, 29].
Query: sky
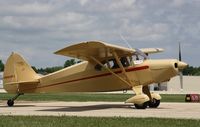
[38, 28]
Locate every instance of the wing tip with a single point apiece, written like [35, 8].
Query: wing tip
[59, 52]
[160, 49]
[152, 50]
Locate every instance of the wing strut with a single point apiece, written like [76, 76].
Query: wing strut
[121, 67]
[135, 86]
[140, 99]
[107, 58]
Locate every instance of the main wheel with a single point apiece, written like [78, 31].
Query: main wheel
[10, 103]
[141, 106]
[154, 103]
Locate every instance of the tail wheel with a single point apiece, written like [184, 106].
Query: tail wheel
[10, 102]
[141, 106]
[154, 103]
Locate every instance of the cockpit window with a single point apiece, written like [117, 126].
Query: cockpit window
[136, 59]
[112, 63]
[98, 67]
[124, 61]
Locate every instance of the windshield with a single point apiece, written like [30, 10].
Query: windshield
[126, 61]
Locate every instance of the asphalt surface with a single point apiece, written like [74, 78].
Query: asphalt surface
[101, 109]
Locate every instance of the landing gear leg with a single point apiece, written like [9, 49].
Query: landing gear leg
[140, 100]
[11, 102]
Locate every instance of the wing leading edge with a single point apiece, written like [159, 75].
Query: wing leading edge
[99, 50]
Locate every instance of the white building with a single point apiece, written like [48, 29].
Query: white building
[191, 84]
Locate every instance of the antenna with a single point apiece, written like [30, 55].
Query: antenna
[137, 51]
[127, 43]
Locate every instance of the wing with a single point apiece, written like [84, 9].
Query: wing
[97, 49]
[151, 50]
[100, 50]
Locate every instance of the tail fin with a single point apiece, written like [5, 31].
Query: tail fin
[17, 71]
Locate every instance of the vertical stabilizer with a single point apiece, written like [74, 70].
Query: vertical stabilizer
[17, 70]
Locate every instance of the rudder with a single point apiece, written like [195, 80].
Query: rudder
[17, 70]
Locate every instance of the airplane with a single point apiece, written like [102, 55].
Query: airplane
[105, 67]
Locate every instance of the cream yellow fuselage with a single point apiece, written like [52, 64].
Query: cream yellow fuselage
[84, 78]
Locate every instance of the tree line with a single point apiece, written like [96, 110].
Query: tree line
[47, 70]
[195, 71]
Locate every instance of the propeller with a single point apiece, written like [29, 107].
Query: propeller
[180, 70]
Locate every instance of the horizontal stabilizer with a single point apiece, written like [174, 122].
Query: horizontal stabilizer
[24, 82]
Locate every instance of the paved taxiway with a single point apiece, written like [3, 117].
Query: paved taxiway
[103, 109]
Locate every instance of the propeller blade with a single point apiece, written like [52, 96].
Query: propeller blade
[181, 80]
[181, 65]
[180, 59]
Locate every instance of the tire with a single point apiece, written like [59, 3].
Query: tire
[154, 104]
[10, 103]
[141, 106]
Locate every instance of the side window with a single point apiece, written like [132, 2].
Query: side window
[112, 63]
[98, 67]
[136, 59]
[124, 61]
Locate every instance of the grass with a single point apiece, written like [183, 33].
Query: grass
[60, 121]
[85, 97]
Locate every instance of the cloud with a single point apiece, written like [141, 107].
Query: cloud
[178, 3]
[83, 2]
[38, 28]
